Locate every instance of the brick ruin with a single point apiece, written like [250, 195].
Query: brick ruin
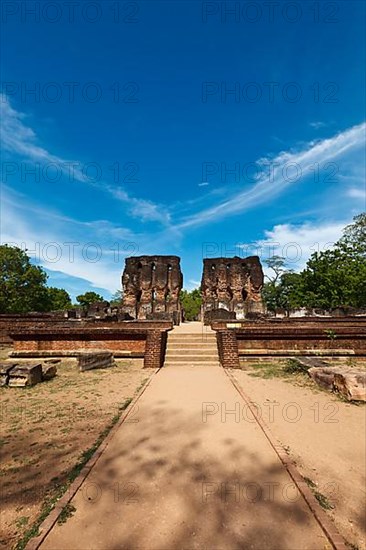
[151, 288]
[231, 285]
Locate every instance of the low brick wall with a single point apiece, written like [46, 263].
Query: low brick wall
[227, 346]
[237, 340]
[125, 339]
[10, 322]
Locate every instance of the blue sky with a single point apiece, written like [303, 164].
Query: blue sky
[190, 128]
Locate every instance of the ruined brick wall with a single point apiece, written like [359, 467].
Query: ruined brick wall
[228, 349]
[155, 349]
[151, 287]
[12, 321]
[289, 338]
[232, 284]
[136, 339]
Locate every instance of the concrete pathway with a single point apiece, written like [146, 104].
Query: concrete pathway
[185, 473]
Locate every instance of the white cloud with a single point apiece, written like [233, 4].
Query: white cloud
[65, 245]
[192, 284]
[203, 184]
[20, 139]
[317, 124]
[266, 188]
[295, 243]
[356, 193]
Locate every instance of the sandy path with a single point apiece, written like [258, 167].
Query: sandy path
[174, 478]
[327, 439]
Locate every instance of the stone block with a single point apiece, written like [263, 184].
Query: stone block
[49, 368]
[5, 368]
[349, 382]
[95, 360]
[25, 375]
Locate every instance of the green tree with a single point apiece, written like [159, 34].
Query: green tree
[277, 265]
[337, 277]
[58, 298]
[275, 292]
[191, 302]
[284, 290]
[89, 298]
[116, 299]
[332, 278]
[22, 285]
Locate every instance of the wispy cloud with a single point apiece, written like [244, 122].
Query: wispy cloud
[93, 251]
[265, 189]
[357, 193]
[318, 124]
[296, 243]
[20, 139]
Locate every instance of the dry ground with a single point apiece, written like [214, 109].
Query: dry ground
[46, 428]
[325, 435]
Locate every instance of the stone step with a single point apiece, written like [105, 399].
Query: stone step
[199, 336]
[198, 345]
[193, 342]
[201, 351]
[188, 357]
[192, 364]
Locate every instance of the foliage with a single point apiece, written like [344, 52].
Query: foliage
[277, 264]
[191, 302]
[332, 278]
[59, 299]
[89, 298]
[22, 285]
[116, 299]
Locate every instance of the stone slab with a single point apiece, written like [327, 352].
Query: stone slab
[95, 360]
[25, 375]
[349, 382]
[5, 368]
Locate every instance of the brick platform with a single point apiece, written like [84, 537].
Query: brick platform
[125, 339]
[328, 337]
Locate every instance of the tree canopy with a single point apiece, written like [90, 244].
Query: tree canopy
[22, 285]
[191, 302]
[59, 299]
[89, 298]
[331, 278]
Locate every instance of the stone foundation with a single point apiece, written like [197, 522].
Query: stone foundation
[284, 339]
[127, 339]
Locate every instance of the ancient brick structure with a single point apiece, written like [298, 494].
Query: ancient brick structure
[232, 284]
[145, 339]
[287, 338]
[151, 287]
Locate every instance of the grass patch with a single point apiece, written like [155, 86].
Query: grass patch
[21, 522]
[288, 370]
[267, 370]
[322, 499]
[66, 513]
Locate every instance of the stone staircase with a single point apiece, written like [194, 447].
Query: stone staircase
[194, 350]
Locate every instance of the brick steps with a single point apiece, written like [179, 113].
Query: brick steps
[176, 350]
[193, 364]
[195, 350]
[192, 357]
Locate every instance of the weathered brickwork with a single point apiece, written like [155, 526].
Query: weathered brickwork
[288, 338]
[232, 284]
[155, 349]
[151, 287]
[228, 349]
[145, 339]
